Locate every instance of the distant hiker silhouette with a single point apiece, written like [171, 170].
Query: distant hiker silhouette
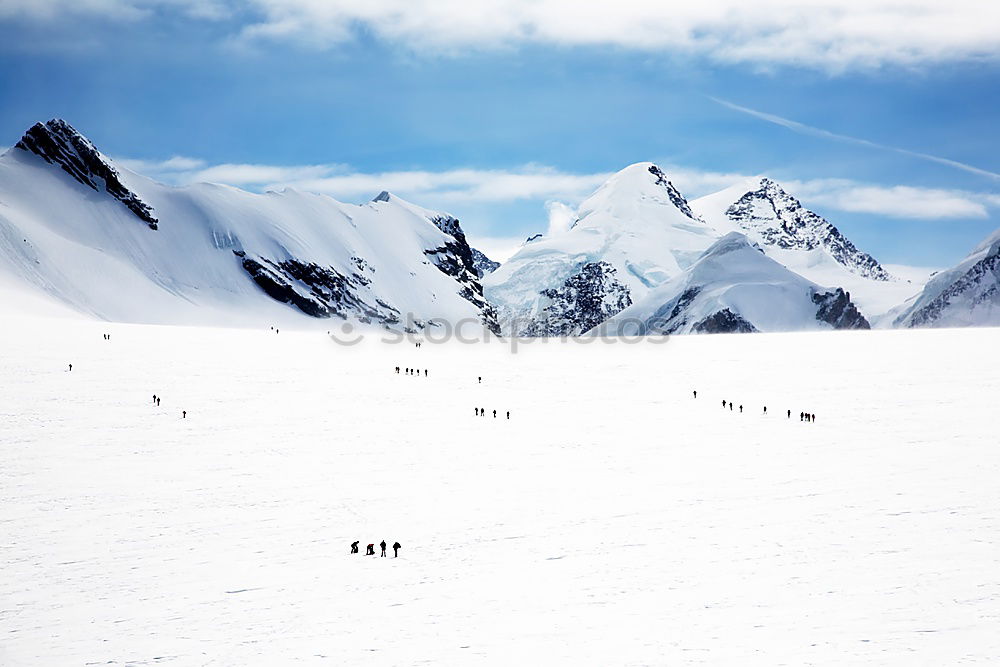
[425, 372]
[741, 408]
[789, 414]
[154, 399]
[480, 380]
[371, 550]
[730, 406]
[723, 405]
[354, 547]
[696, 393]
[184, 414]
[765, 409]
[71, 367]
[508, 414]
[802, 416]
[477, 412]
[482, 412]
[494, 414]
[395, 549]
[382, 544]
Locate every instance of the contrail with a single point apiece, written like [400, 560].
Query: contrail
[802, 128]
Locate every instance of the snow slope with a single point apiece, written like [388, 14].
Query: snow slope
[735, 288]
[118, 246]
[614, 520]
[966, 295]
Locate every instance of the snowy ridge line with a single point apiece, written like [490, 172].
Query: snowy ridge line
[221, 255]
[224, 255]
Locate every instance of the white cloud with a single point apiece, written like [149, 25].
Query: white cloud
[118, 10]
[899, 201]
[561, 217]
[831, 34]
[455, 185]
[160, 168]
[826, 34]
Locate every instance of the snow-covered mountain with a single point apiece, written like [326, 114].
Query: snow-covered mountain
[803, 241]
[114, 244]
[634, 233]
[773, 218]
[638, 232]
[735, 288]
[966, 295]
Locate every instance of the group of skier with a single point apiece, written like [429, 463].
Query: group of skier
[411, 371]
[481, 412]
[803, 416]
[371, 548]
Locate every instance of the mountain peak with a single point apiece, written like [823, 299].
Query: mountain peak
[642, 185]
[385, 195]
[59, 143]
[776, 218]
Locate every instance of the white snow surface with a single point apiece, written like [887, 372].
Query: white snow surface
[87, 251]
[614, 520]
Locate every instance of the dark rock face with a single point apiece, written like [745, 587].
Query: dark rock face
[483, 264]
[455, 258]
[585, 299]
[837, 310]
[724, 321]
[318, 291]
[782, 221]
[58, 143]
[979, 285]
[534, 237]
[673, 193]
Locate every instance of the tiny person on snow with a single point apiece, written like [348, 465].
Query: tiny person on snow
[382, 544]
[395, 549]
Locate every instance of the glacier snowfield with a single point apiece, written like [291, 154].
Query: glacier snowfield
[613, 520]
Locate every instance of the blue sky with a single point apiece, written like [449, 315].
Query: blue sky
[496, 111]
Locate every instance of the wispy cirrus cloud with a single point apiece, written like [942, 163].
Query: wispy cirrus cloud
[833, 35]
[559, 191]
[802, 128]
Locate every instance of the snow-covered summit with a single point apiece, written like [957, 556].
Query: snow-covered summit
[637, 223]
[773, 217]
[636, 190]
